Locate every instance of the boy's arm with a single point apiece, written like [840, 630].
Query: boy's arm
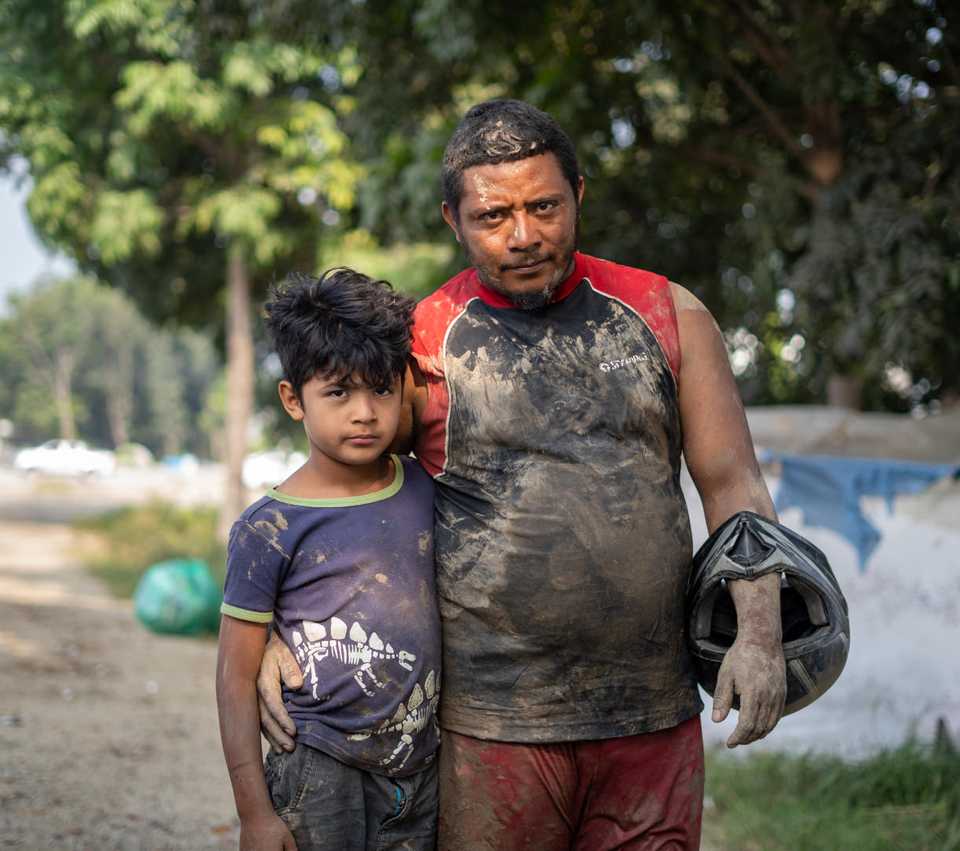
[238, 660]
[719, 454]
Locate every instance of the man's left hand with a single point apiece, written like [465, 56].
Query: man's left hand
[755, 670]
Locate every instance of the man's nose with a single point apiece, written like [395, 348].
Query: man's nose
[525, 233]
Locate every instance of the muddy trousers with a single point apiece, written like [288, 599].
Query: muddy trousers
[329, 806]
[643, 793]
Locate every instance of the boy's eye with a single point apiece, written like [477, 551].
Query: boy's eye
[336, 392]
[383, 391]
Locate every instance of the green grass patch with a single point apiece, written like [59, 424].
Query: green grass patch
[907, 798]
[129, 540]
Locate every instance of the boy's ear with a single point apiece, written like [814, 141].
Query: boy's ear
[290, 400]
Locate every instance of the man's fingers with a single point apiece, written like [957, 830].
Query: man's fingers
[277, 657]
[289, 668]
[722, 695]
[745, 731]
[279, 740]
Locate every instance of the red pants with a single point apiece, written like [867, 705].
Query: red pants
[638, 792]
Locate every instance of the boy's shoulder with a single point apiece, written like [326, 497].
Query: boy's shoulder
[267, 519]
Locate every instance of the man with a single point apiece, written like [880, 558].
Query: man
[553, 397]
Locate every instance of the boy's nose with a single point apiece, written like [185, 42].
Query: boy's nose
[364, 411]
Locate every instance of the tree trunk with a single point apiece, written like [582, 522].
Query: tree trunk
[120, 396]
[239, 384]
[845, 391]
[63, 394]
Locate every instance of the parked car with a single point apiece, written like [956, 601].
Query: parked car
[266, 469]
[65, 458]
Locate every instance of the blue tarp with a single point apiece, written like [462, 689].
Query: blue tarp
[827, 490]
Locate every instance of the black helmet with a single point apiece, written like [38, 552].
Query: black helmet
[816, 628]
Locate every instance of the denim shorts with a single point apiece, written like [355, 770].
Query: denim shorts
[331, 806]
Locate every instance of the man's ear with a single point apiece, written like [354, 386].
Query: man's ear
[290, 400]
[450, 218]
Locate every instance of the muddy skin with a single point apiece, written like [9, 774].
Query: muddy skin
[754, 667]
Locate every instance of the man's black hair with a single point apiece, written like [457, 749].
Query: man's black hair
[499, 131]
[340, 325]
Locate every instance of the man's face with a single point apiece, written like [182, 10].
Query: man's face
[518, 225]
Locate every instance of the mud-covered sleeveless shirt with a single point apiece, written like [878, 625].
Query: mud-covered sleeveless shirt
[562, 537]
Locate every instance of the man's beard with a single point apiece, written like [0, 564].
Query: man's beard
[532, 300]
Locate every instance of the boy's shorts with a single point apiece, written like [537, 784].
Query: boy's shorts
[331, 806]
[643, 793]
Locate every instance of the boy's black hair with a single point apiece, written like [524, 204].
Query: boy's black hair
[499, 131]
[341, 324]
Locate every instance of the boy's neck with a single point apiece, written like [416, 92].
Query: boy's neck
[323, 478]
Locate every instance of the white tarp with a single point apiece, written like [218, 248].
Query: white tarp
[903, 672]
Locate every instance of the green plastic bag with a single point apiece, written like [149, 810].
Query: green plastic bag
[178, 597]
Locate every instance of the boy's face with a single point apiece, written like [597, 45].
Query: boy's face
[345, 420]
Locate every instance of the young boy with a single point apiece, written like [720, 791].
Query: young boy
[339, 558]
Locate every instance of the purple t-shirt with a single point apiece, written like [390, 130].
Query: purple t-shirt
[349, 584]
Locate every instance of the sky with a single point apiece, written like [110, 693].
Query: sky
[22, 258]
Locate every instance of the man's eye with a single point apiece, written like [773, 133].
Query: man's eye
[545, 206]
[493, 216]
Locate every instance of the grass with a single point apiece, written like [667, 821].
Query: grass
[907, 798]
[125, 542]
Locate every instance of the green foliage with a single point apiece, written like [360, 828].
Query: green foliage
[77, 350]
[130, 540]
[742, 149]
[904, 798]
[713, 136]
[161, 132]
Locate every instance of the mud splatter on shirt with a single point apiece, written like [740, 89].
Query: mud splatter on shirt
[350, 586]
[562, 537]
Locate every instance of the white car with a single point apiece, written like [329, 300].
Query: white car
[267, 469]
[65, 458]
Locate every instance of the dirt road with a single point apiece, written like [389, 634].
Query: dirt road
[108, 735]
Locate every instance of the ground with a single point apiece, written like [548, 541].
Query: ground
[108, 733]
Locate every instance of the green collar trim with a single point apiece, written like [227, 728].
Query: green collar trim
[346, 501]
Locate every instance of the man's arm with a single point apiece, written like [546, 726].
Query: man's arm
[238, 660]
[719, 454]
[414, 401]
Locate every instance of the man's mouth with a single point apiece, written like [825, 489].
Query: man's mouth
[526, 267]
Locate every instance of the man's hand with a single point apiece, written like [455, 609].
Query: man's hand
[755, 670]
[278, 663]
[266, 833]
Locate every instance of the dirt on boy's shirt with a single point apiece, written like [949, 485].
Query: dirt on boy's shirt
[349, 585]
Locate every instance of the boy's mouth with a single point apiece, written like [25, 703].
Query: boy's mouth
[362, 439]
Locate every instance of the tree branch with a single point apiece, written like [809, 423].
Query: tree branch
[773, 120]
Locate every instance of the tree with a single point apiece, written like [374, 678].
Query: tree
[81, 361]
[181, 152]
[745, 148]
[52, 331]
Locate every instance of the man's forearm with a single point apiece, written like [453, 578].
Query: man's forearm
[747, 493]
[758, 609]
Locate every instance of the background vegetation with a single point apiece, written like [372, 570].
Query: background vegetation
[795, 164]
[907, 798]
